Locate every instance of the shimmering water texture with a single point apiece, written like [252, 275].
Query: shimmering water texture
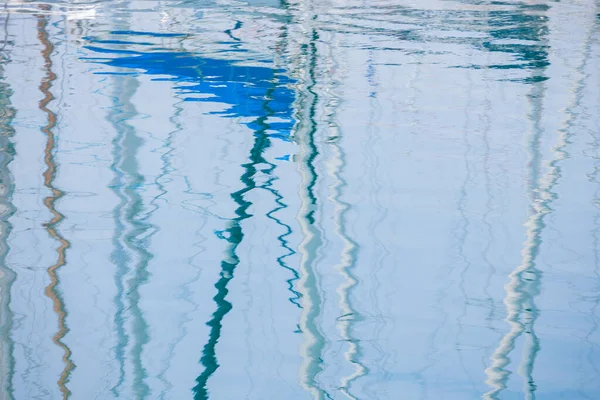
[300, 200]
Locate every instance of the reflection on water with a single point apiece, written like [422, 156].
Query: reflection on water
[299, 199]
[7, 275]
[50, 202]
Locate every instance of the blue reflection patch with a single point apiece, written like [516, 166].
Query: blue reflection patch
[251, 92]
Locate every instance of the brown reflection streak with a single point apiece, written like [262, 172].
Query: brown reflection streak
[49, 202]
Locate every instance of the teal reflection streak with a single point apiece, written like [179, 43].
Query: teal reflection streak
[284, 243]
[281, 205]
[117, 117]
[131, 239]
[234, 235]
[7, 209]
[314, 341]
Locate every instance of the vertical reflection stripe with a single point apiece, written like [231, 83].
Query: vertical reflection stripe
[525, 280]
[234, 235]
[50, 202]
[314, 341]
[7, 275]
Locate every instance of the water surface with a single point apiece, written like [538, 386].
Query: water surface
[300, 199]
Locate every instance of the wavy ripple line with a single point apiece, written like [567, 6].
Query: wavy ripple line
[525, 280]
[135, 238]
[314, 340]
[234, 235]
[122, 110]
[348, 257]
[50, 202]
[295, 299]
[464, 227]
[7, 209]
[160, 181]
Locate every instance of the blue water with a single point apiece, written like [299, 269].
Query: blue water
[300, 200]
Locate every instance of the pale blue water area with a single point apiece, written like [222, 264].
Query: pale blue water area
[299, 199]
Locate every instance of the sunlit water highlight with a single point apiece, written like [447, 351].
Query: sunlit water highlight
[300, 200]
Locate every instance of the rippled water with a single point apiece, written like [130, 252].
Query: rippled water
[300, 199]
